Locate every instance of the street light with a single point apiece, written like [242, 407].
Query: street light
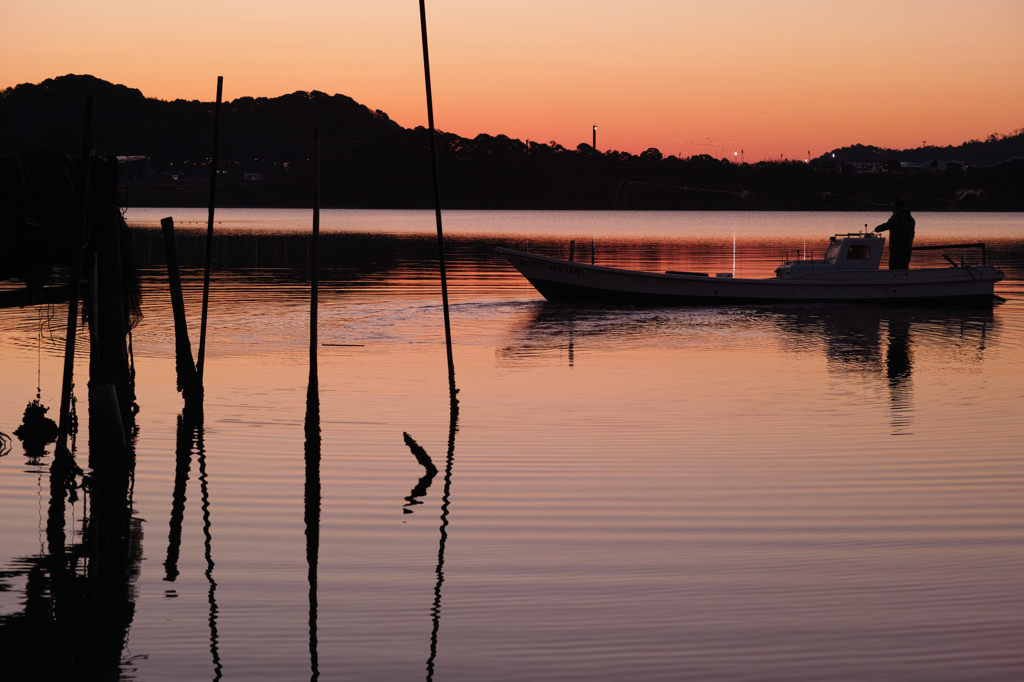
[595, 138]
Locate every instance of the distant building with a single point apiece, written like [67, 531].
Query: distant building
[865, 166]
[252, 177]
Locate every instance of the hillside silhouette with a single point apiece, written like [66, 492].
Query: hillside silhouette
[369, 161]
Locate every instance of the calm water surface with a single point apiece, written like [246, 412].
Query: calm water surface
[791, 492]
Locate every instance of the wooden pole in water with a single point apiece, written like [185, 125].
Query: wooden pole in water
[437, 204]
[209, 231]
[75, 272]
[312, 424]
[188, 379]
[314, 262]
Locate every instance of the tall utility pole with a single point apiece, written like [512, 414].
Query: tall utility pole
[595, 138]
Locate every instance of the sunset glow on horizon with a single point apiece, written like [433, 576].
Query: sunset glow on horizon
[788, 78]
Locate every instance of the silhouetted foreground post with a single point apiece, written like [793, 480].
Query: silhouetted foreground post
[437, 207]
[111, 386]
[314, 262]
[209, 231]
[312, 423]
[75, 272]
[188, 380]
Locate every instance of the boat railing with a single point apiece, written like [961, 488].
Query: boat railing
[801, 254]
[863, 234]
[940, 247]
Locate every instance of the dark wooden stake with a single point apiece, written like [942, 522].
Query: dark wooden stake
[75, 272]
[314, 263]
[188, 380]
[209, 231]
[312, 424]
[112, 323]
[572, 249]
[437, 205]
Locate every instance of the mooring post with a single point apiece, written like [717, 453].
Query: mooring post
[188, 381]
[106, 428]
[107, 231]
[75, 272]
[314, 264]
[94, 318]
[437, 206]
[209, 231]
[572, 249]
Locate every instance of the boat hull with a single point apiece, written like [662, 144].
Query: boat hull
[560, 280]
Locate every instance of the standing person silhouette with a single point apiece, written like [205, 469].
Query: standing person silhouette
[901, 235]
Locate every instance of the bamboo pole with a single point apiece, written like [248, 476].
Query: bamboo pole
[75, 272]
[314, 265]
[209, 232]
[437, 205]
[312, 423]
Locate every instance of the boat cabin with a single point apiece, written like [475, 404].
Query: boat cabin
[855, 251]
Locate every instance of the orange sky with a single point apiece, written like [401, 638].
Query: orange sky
[771, 78]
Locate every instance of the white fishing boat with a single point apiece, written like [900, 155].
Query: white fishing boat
[849, 272]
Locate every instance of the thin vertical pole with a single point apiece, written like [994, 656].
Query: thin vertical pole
[209, 231]
[313, 256]
[312, 424]
[75, 271]
[437, 204]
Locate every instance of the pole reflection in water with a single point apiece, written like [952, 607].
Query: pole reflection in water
[208, 544]
[312, 510]
[190, 439]
[80, 597]
[445, 502]
[183, 461]
[428, 477]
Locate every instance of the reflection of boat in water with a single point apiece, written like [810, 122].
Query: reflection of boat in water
[883, 345]
[848, 272]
